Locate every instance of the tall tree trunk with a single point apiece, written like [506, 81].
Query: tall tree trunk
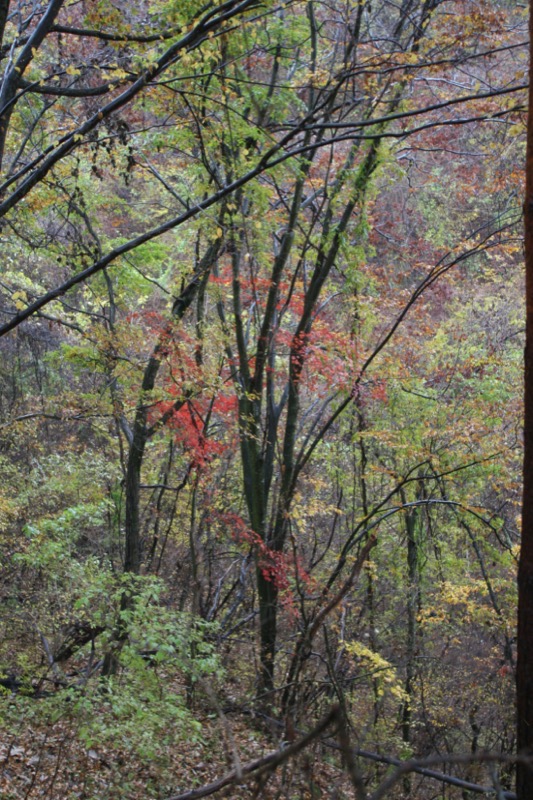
[141, 432]
[412, 529]
[138, 440]
[268, 604]
[524, 672]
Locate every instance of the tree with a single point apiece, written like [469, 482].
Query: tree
[524, 673]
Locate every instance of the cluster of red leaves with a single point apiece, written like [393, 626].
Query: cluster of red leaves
[279, 568]
[189, 421]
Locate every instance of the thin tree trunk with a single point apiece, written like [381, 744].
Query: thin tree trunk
[524, 673]
[412, 522]
[141, 431]
[140, 436]
[268, 604]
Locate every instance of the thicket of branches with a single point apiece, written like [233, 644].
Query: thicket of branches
[260, 419]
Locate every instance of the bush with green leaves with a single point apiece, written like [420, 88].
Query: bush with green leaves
[142, 709]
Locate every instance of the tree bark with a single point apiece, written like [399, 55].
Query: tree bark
[524, 673]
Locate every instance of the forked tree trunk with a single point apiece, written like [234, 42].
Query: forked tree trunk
[524, 674]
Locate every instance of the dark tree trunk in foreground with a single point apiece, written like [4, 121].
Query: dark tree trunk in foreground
[524, 678]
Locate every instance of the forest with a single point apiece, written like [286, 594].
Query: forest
[262, 329]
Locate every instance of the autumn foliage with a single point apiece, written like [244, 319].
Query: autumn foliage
[260, 406]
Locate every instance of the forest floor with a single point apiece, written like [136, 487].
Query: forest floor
[50, 762]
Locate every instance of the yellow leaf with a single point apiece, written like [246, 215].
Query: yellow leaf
[20, 299]
[119, 73]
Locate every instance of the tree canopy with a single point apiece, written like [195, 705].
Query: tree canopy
[260, 407]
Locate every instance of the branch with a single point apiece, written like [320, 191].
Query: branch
[37, 37]
[419, 766]
[415, 765]
[263, 165]
[37, 87]
[212, 21]
[365, 123]
[116, 37]
[436, 272]
[265, 764]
